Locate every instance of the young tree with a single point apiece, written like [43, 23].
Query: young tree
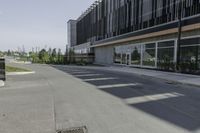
[50, 51]
[59, 57]
[34, 57]
[43, 56]
[54, 56]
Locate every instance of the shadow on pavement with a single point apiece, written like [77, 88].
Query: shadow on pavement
[174, 103]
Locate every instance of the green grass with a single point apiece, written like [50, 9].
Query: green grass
[15, 69]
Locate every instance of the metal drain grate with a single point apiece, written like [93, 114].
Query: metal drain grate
[74, 130]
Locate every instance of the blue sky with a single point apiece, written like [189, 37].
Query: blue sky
[37, 23]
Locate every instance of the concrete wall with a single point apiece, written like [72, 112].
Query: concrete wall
[104, 55]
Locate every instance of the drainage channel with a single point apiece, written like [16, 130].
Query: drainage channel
[74, 130]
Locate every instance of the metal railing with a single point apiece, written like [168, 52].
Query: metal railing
[2, 69]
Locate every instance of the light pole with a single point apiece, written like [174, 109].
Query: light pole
[179, 35]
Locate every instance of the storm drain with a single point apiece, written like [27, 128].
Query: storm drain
[74, 130]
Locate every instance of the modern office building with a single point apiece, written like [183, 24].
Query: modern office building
[159, 34]
[71, 33]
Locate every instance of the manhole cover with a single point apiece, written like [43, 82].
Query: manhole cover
[74, 130]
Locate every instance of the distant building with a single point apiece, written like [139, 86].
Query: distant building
[141, 33]
[71, 32]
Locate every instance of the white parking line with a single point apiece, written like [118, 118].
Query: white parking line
[117, 85]
[99, 79]
[150, 98]
[87, 75]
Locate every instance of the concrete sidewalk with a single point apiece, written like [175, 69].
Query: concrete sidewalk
[103, 99]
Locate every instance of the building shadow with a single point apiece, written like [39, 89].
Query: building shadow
[174, 103]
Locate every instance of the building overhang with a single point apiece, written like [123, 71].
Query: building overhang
[188, 24]
[82, 46]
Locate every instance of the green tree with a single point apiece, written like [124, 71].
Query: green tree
[50, 52]
[54, 56]
[59, 57]
[34, 57]
[44, 56]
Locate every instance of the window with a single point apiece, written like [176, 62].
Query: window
[123, 58]
[166, 55]
[190, 55]
[117, 55]
[198, 57]
[136, 55]
[149, 54]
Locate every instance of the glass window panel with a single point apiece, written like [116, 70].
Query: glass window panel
[123, 58]
[117, 56]
[189, 58]
[166, 44]
[136, 55]
[190, 41]
[198, 57]
[188, 54]
[150, 45]
[149, 53]
[166, 58]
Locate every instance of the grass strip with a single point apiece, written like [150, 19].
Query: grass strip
[15, 69]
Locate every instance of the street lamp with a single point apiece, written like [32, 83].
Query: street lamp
[179, 35]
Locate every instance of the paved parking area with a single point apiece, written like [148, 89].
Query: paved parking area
[105, 101]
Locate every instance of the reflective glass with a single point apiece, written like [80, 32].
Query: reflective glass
[165, 58]
[149, 53]
[199, 58]
[189, 58]
[117, 55]
[136, 55]
[123, 58]
[190, 55]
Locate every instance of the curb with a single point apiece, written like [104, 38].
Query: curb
[164, 79]
[167, 80]
[19, 73]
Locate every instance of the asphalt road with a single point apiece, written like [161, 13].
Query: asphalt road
[61, 97]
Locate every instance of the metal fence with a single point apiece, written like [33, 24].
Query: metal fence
[2, 69]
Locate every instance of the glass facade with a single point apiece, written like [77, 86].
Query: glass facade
[123, 58]
[161, 55]
[117, 55]
[146, 55]
[166, 58]
[110, 18]
[149, 55]
[190, 55]
[136, 55]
